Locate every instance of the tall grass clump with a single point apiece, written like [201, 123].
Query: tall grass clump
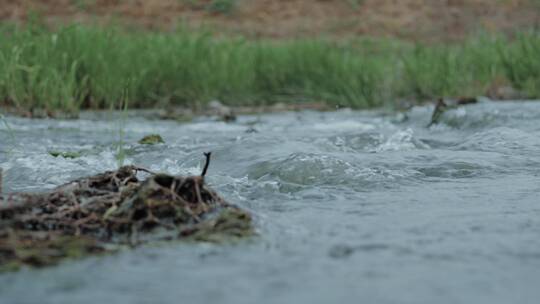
[318, 70]
[473, 67]
[520, 61]
[441, 70]
[35, 72]
[87, 67]
[80, 66]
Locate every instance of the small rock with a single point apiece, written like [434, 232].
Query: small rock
[466, 101]
[177, 114]
[225, 113]
[152, 139]
[505, 93]
[252, 130]
[341, 251]
[279, 107]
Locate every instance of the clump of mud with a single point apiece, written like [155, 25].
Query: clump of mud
[112, 210]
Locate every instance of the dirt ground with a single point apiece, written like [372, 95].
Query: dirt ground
[427, 20]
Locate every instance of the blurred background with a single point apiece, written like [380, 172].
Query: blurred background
[67, 55]
[426, 20]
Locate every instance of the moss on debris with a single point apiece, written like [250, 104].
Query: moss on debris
[97, 214]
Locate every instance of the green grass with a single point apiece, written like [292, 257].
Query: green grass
[79, 67]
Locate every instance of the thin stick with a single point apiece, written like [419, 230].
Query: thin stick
[207, 155]
[145, 170]
[198, 193]
[1, 181]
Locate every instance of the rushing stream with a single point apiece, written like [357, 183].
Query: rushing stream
[350, 207]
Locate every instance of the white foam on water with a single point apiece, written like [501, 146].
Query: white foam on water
[456, 222]
[342, 126]
[502, 139]
[402, 140]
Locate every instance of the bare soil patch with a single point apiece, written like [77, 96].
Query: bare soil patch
[426, 20]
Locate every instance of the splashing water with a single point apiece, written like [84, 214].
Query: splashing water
[350, 206]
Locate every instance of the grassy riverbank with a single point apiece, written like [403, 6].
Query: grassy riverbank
[94, 67]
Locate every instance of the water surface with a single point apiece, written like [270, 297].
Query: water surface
[358, 207]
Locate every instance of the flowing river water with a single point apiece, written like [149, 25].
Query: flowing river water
[350, 207]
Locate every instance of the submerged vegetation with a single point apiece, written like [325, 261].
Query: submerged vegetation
[152, 139]
[88, 67]
[71, 154]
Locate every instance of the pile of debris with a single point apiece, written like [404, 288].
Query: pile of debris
[112, 210]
